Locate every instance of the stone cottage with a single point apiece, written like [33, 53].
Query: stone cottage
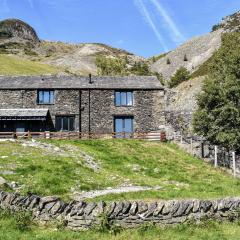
[80, 104]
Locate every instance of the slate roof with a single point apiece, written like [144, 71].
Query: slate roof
[24, 112]
[78, 82]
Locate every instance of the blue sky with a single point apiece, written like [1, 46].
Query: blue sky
[144, 27]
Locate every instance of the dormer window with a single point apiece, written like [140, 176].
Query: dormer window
[45, 97]
[123, 98]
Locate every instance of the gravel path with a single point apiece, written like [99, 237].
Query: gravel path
[126, 189]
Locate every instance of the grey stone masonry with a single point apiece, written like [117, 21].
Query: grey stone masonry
[93, 109]
[82, 215]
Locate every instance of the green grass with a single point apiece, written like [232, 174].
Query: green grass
[122, 162]
[10, 65]
[20, 228]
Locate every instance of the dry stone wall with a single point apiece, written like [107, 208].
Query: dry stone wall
[82, 215]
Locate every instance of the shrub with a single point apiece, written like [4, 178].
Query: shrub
[218, 114]
[168, 61]
[141, 69]
[111, 66]
[181, 75]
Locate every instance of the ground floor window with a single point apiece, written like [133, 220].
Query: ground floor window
[65, 123]
[123, 126]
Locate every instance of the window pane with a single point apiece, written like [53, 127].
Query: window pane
[118, 99]
[129, 99]
[46, 97]
[51, 97]
[123, 98]
[40, 96]
[58, 123]
[71, 124]
[128, 125]
[118, 127]
[65, 124]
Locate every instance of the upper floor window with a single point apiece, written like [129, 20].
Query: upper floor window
[45, 97]
[123, 98]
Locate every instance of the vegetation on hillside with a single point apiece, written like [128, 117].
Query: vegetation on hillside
[181, 75]
[157, 57]
[10, 65]
[122, 162]
[120, 67]
[218, 115]
[111, 66]
[230, 23]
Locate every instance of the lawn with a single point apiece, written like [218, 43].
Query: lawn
[11, 65]
[59, 170]
[19, 228]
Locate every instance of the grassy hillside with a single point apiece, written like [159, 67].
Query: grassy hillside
[47, 170]
[10, 65]
[55, 168]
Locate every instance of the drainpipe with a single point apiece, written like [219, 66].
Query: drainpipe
[89, 104]
[80, 111]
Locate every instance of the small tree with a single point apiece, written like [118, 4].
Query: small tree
[110, 66]
[168, 61]
[181, 75]
[218, 114]
[141, 69]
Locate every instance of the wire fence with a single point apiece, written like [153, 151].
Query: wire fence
[217, 155]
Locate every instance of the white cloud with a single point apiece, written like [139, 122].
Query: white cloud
[177, 36]
[31, 3]
[147, 17]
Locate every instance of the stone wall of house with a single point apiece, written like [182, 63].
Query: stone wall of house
[147, 110]
[82, 215]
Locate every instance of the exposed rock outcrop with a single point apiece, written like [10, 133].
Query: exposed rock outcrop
[190, 55]
[15, 28]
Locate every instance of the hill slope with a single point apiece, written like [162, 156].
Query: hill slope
[170, 172]
[18, 38]
[197, 50]
[11, 65]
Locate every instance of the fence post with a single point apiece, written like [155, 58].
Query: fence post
[234, 163]
[47, 134]
[202, 149]
[191, 145]
[181, 139]
[216, 156]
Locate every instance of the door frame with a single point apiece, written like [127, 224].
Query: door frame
[123, 117]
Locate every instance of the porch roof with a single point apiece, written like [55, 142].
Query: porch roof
[23, 114]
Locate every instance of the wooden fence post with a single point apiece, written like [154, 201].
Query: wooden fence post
[216, 156]
[234, 163]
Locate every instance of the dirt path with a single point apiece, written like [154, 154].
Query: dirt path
[126, 189]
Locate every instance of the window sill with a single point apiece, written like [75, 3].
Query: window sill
[125, 106]
[46, 104]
